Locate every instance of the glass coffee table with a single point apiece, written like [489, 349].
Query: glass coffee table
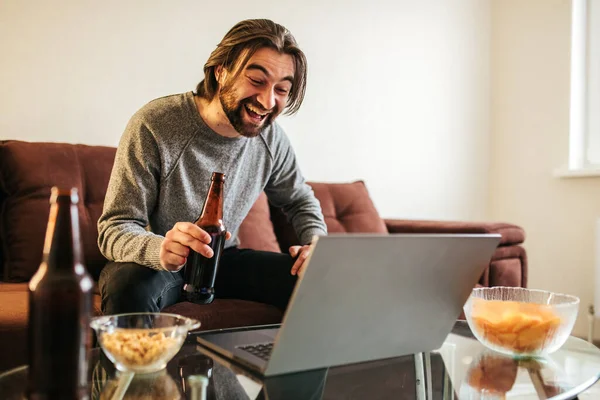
[461, 369]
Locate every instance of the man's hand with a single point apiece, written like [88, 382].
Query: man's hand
[301, 254]
[176, 246]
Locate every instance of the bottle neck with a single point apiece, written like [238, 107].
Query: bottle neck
[212, 211]
[62, 247]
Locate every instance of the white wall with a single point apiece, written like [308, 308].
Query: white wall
[530, 125]
[398, 90]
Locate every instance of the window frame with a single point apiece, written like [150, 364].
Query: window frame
[578, 162]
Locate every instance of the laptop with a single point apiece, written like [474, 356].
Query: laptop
[364, 297]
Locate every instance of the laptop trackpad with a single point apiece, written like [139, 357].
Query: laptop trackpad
[258, 336]
[270, 333]
[231, 340]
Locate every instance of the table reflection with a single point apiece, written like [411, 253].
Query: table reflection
[196, 365]
[493, 376]
[128, 386]
[172, 383]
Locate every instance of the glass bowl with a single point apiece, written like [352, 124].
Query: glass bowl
[521, 322]
[142, 342]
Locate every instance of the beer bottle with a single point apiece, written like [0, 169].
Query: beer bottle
[60, 301]
[200, 272]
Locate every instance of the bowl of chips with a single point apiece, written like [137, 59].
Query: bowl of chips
[521, 322]
[142, 342]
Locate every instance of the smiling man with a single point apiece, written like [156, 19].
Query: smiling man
[163, 167]
[253, 97]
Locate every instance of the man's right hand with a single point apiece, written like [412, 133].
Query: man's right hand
[176, 246]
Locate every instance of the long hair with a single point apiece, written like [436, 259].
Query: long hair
[240, 43]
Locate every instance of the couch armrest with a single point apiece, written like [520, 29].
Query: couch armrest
[511, 234]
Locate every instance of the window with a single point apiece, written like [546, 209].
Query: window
[584, 135]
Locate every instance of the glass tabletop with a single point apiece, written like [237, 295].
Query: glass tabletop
[461, 369]
[479, 373]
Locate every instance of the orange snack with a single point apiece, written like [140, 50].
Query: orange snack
[137, 346]
[519, 327]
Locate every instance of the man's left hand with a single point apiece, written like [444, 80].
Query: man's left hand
[300, 253]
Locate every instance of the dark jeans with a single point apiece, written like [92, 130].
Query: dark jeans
[243, 274]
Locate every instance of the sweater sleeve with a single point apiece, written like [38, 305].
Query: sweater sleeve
[130, 197]
[288, 190]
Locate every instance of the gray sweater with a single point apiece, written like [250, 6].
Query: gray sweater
[162, 173]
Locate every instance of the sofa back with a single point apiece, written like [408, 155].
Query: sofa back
[27, 173]
[29, 170]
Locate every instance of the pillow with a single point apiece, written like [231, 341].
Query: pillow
[256, 231]
[347, 207]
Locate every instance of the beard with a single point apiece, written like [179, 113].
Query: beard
[234, 109]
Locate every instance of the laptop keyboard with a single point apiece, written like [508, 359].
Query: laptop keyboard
[262, 350]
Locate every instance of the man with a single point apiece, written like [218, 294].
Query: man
[163, 167]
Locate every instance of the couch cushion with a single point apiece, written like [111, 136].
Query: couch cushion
[14, 287]
[227, 313]
[347, 207]
[256, 231]
[27, 173]
[13, 329]
[14, 313]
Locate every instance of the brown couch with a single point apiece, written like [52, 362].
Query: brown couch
[29, 170]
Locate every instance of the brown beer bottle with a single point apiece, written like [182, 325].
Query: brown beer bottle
[200, 272]
[60, 304]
